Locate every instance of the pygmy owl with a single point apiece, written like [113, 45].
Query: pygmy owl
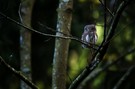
[89, 35]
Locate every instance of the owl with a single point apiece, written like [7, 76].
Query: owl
[89, 35]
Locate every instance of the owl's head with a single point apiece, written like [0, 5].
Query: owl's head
[90, 28]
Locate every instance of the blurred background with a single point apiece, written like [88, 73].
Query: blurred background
[85, 12]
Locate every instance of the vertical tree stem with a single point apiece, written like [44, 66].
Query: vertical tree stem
[61, 45]
[25, 11]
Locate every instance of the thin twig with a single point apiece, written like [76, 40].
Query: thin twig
[120, 30]
[94, 60]
[100, 52]
[107, 8]
[18, 74]
[105, 17]
[50, 35]
[100, 70]
[53, 30]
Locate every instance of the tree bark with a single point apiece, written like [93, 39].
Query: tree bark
[25, 11]
[61, 45]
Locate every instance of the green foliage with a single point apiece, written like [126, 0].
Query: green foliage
[85, 12]
[97, 83]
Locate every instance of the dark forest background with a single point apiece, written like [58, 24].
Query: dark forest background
[85, 12]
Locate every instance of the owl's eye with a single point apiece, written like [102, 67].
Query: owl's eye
[92, 28]
[86, 29]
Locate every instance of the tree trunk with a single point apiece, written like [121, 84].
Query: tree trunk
[61, 45]
[25, 40]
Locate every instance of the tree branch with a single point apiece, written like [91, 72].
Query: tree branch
[50, 35]
[106, 8]
[101, 50]
[100, 70]
[18, 74]
[105, 17]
